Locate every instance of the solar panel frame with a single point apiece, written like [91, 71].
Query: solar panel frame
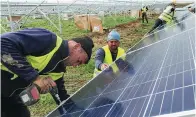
[156, 95]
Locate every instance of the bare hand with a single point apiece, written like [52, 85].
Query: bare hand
[104, 66]
[45, 84]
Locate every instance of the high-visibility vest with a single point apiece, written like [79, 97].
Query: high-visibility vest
[40, 62]
[144, 9]
[167, 15]
[108, 59]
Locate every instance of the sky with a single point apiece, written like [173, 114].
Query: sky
[71, 1]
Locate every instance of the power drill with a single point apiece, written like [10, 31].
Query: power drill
[31, 94]
[54, 92]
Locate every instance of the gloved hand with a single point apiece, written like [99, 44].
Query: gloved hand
[45, 84]
[104, 66]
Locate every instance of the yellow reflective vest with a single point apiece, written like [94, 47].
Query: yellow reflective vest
[144, 9]
[108, 59]
[40, 63]
[167, 15]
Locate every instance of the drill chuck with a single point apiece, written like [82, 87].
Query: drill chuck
[58, 98]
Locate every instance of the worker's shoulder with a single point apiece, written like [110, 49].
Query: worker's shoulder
[100, 51]
[33, 36]
[35, 30]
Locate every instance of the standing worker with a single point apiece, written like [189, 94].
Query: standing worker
[109, 53]
[166, 17]
[37, 56]
[144, 14]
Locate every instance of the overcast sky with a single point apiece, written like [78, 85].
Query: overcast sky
[70, 1]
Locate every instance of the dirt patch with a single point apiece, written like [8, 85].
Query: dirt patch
[132, 24]
[126, 31]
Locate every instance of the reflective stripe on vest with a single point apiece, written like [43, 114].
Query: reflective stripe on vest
[41, 62]
[108, 59]
[167, 15]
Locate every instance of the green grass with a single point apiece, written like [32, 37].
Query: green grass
[112, 21]
[69, 30]
[3, 25]
[77, 77]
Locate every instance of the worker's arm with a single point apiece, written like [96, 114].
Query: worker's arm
[173, 13]
[99, 58]
[16, 46]
[172, 9]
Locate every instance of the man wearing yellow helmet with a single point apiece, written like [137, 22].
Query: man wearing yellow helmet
[166, 17]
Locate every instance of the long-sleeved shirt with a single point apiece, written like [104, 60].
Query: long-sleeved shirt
[123, 65]
[15, 46]
[168, 10]
[99, 58]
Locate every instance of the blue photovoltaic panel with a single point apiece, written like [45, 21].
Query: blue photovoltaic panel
[156, 78]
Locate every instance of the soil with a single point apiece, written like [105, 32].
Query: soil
[127, 32]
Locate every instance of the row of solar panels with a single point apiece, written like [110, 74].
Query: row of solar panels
[156, 79]
[73, 8]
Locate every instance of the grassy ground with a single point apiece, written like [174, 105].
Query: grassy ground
[131, 31]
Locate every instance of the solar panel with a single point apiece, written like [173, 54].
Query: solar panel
[157, 78]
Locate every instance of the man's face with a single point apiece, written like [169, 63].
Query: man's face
[77, 56]
[113, 44]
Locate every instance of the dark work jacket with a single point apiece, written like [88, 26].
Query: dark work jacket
[34, 42]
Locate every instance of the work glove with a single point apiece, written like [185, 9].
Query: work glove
[45, 84]
[104, 66]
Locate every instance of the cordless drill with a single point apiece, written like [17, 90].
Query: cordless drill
[54, 92]
[31, 94]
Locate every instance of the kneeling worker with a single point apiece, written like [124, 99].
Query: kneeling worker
[109, 53]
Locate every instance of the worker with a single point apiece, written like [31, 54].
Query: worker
[144, 13]
[109, 53]
[37, 56]
[167, 16]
